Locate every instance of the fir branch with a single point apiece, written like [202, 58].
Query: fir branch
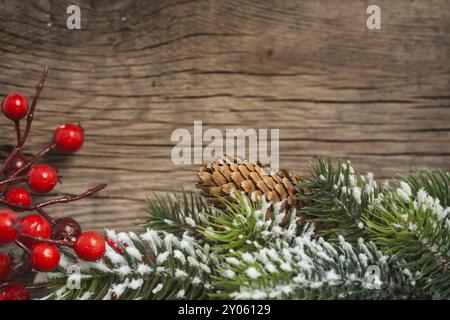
[414, 227]
[310, 268]
[337, 198]
[177, 214]
[259, 259]
[435, 183]
[245, 223]
[246, 250]
[154, 265]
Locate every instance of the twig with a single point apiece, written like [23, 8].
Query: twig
[55, 201]
[21, 176]
[71, 198]
[37, 157]
[41, 285]
[30, 116]
[15, 272]
[46, 216]
[13, 180]
[22, 139]
[50, 241]
[18, 132]
[23, 247]
[18, 265]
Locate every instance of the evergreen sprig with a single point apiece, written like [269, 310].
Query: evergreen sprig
[309, 268]
[243, 251]
[155, 265]
[435, 183]
[414, 227]
[243, 224]
[177, 214]
[409, 222]
[337, 198]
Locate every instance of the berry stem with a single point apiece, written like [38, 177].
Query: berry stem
[18, 266]
[37, 157]
[30, 116]
[41, 285]
[46, 215]
[14, 272]
[71, 198]
[41, 179]
[21, 141]
[18, 131]
[13, 180]
[22, 246]
[50, 241]
[54, 201]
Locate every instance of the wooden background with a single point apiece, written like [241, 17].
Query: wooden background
[140, 69]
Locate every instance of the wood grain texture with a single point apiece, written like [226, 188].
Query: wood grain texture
[140, 69]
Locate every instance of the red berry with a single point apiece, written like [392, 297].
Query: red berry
[114, 245]
[42, 178]
[5, 266]
[67, 229]
[15, 106]
[37, 226]
[15, 291]
[18, 196]
[90, 246]
[16, 163]
[8, 227]
[69, 137]
[44, 257]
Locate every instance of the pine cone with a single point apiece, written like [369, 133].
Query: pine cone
[222, 177]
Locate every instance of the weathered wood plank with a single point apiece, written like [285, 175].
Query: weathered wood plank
[140, 69]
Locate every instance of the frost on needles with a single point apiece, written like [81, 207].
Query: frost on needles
[363, 241]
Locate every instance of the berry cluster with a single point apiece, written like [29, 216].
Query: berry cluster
[37, 234]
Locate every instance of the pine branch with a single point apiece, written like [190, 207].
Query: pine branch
[178, 214]
[338, 198]
[245, 224]
[435, 183]
[310, 268]
[250, 249]
[155, 265]
[414, 227]
[262, 260]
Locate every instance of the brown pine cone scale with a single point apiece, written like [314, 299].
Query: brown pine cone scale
[220, 178]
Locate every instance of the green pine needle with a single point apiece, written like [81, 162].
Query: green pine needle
[242, 251]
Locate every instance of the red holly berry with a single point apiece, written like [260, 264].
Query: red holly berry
[42, 178]
[37, 226]
[15, 106]
[9, 230]
[44, 257]
[5, 266]
[18, 196]
[16, 163]
[15, 291]
[114, 245]
[90, 246]
[66, 229]
[69, 137]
